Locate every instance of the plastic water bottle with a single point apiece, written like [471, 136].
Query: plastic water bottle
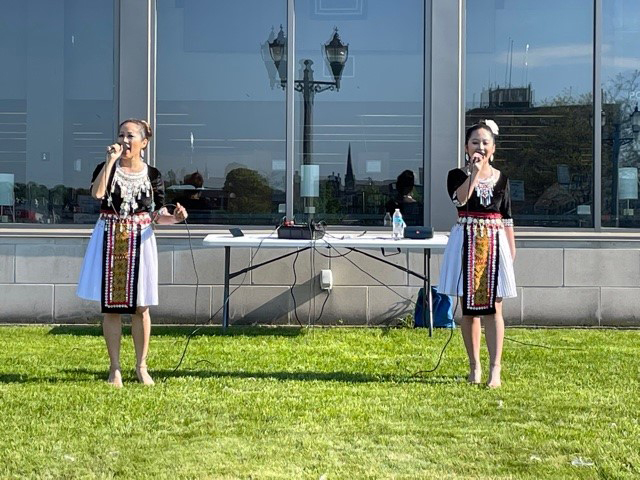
[398, 225]
[387, 220]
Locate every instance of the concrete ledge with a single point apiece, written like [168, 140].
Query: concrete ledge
[620, 307]
[165, 264]
[386, 306]
[344, 306]
[603, 268]
[7, 263]
[512, 309]
[178, 305]
[46, 263]
[251, 305]
[539, 267]
[209, 265]
[26, 303]
[561, 306]
[69, 308]
[416, 264]
[357, 269]
[281, 271]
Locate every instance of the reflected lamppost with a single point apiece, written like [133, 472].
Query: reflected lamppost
[617, 142]
[336, 54]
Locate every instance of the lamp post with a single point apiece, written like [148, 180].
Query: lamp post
[617, 142]
[336, 54]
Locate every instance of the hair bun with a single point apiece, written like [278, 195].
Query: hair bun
[147, 128]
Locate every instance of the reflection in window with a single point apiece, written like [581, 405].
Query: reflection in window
[355, 142]
[56, 107]
[535, 82]
[220, 140]
[620, 115]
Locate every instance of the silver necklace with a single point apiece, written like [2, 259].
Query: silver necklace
[484, 189]
[132, 186]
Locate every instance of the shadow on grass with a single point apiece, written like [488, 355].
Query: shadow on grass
[86, 375]
[183, 331]
[81, 375]
[306, 376]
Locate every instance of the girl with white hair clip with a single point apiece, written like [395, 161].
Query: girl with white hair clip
[478, 259]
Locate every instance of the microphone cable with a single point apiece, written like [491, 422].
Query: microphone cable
[455, 308]
[224, 302]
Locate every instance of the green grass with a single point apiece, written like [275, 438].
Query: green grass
[339, 403]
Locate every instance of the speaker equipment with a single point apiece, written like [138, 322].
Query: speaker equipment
[300, 232]
[418, 233]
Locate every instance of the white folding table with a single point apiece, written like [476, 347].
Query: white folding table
[353, 242]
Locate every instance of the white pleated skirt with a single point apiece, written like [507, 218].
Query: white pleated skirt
[90, 281]
[451, 275]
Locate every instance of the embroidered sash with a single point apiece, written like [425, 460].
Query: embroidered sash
[121, 262]
[481, 262]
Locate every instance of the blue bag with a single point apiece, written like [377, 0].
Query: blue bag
[442, 311]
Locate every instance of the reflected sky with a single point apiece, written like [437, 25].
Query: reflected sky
[551, 44]
[219, 108]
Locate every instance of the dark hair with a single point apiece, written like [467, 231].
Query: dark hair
[194, 179]
[143, 124]
[478, 126]
[405, 182]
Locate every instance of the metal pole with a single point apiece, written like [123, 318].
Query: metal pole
[225, 295]
[290, 113]
[307, 127]
[614, 173]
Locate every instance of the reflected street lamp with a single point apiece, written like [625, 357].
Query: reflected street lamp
[617, 142]
[336, 54]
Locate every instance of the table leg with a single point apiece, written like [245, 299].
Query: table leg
[225, 295]
[427, 287]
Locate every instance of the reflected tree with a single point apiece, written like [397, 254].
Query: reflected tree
[247, 191]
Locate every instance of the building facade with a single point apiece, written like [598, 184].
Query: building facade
[312, 109]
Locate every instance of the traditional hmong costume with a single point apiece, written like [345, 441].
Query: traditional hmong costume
[120, 268]
[477, 263]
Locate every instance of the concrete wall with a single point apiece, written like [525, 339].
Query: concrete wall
[557, 285]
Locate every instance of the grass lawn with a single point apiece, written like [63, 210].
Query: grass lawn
[337, 403]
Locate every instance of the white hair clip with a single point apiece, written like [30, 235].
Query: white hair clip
[493, 126]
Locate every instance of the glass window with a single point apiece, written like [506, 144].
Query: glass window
[620, 116]
[57, 110]
[529, 66]
[359, 148]
[220, 127]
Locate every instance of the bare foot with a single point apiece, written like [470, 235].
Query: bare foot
[143, 375]
[475, 374]
[115, 378]
[494, 377]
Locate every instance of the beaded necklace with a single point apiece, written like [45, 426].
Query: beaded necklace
[484, 189]
[132, 186]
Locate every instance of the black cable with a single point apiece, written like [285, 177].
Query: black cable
[198, 328]
[295, 279]
[530, 344]
[439, 358]
[455, 308]
[366, 273]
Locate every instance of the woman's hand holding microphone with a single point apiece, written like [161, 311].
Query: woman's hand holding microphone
[179, 213]
[475, 164]
[113, 152]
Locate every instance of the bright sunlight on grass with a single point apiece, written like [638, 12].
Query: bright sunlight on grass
[337, 403]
